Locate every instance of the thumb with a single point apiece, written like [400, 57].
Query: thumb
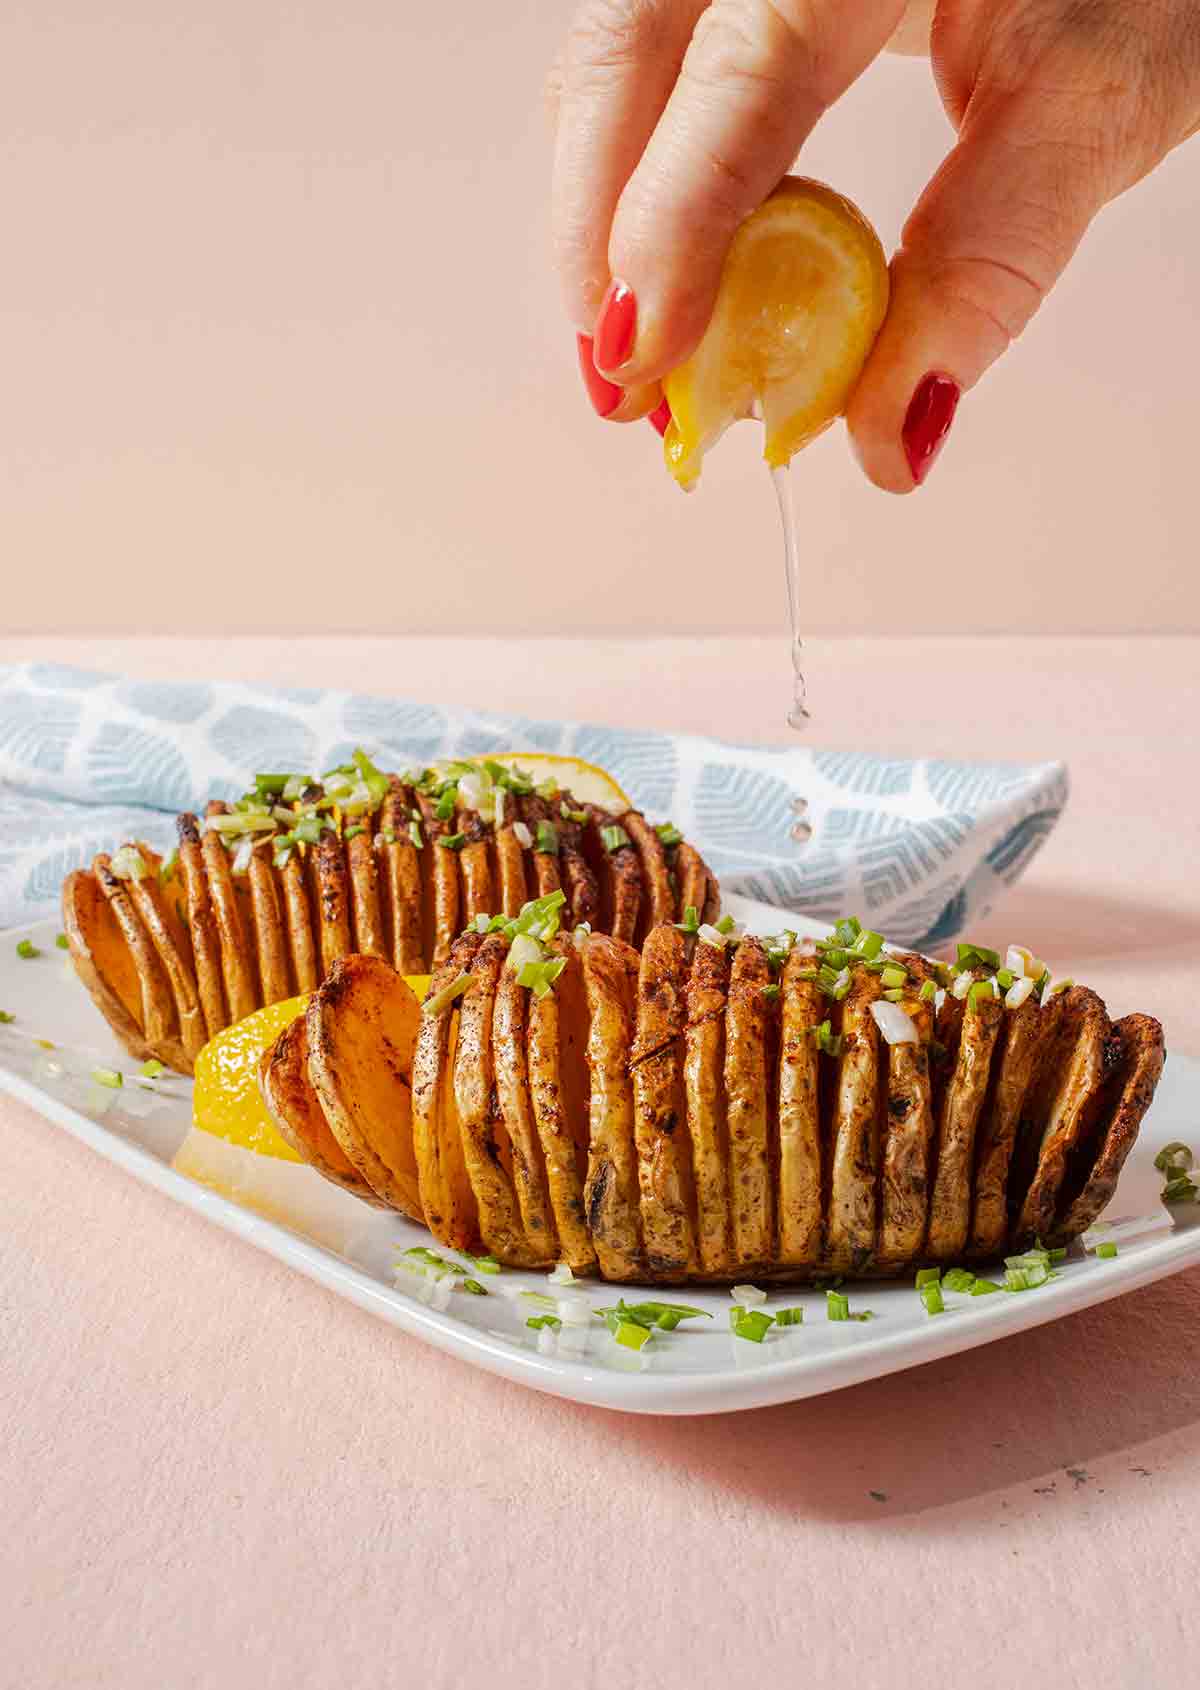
[988, 239]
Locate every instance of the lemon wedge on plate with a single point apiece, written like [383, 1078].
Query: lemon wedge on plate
[802, 296]
[584, 781]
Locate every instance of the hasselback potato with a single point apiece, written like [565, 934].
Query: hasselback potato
[262, 897]
[717, 1108]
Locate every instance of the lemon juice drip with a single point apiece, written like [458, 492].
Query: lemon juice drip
[781, 476]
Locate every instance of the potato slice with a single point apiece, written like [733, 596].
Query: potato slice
[660, 1108]
[202, 925]
[1015, 1064]
[611, 1195]
[270, 931]
[512, 1091]
[157, 1015]
[748, 1106]
[237, 962]
[401, 876]
[333, 899]
[908, 1141]
[802, 1158]
[1127, 1096]
[362, 1031]
[536, 812]
[618, 876]
[370, 935]
[440, 885]
[475, 866]
[950, 1200]
[174, 952]
[451, 1212]
[558, 1089]
[102, 959]
[302, 943]
[704, 1092]
[658, 898]
[486, 1148]
[691, 879]
[1067, 1109]
[579, 882]
[852, 1207]
[292, 1104]
[510, 870]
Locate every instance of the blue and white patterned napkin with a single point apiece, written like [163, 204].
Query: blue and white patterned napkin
[918, 849]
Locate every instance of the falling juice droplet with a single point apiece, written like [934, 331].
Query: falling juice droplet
[801, 832]
[781, 476]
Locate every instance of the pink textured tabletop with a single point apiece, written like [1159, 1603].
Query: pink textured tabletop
[215, 1474]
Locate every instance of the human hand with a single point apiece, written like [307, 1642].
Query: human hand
[675, 118]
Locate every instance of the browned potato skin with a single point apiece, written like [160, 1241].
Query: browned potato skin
[909, 1135]
[556, 1063]
[510, 869]
[691, 876]
[852, 1217]
[664, 1151]
[801, 1152]
[704, 1090]
[512, 1090]
[202, 925]
[1016, 1064]
[440, 902]
[306, 963]
[546, 878]
[747, 1106]
[370, 934]
[174, 952]
[618, 876]
[1071, 1095]
[157, 1016]
[447, 1198]
[292, 1105]
[658, 900]
[401, 878]
[102, 959]
[333, 899]
[269, 928]
[579, 882]
[1129, 1093]
[474, 862]
[362, 1030]
[241, 987]
[611, 1193]
[950, 1201]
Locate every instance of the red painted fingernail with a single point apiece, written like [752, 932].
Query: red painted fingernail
[616, 326]
[604, 395]
[927, 422]
[661, 417]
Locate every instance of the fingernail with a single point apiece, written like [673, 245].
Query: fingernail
[604, 395]
[927, 422]
[616, 326]
[661, 417]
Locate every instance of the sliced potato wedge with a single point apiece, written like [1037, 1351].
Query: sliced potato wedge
[1016, 1065]
[802, 1152]
[202, 925]
[237, 965]
[292, 1104]
[1128, 1094]
[611, 1194]
[447, 1197]
[852, 1207]
[1071, 1095]
[748, 1106]
[660, 1109]
[950, 1199]
[102, 959]
[558, 1090]
[512, 1091]
[909, 1135]
[705, 1096]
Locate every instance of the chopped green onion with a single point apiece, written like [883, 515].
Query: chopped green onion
[151, 1069]
[353, 832]
[957, 1279]
[547, 838]
[1180, 1190]
[537, 1321]
[63, 943]
[668, 833]
[827, 1040]
[110, 1077]
[691, 920]
[753, 1325]
[841, 986]
[984, 1287]
[789, 1317]
[308, 830]
[837, 1306]
[666, 1316]
[977, 956]
[6, 1017]
[1059, 1255]
[834, 956]
[1026, 1278]
[415, 834]
[928, 1276]
[271, 785]
[452, 841]
[847, 931]
[735, 1314]
[442, 1000]
[570, 815]
[869, 944]
[894, 997]
[630, 1335]
[1005, 978]
[771, 992]
[484, 1264]
[1106, 1251]
[893, 976]
[928, 991]
[167, 867]
[1063, 985]
[283, 855]
[539, 977]
[547, 788]
[1174, 1158]
[725, 925]
[614, 837]
[27, 949]
[444, 808]
[978, 992]
[474, 1287]
[931, 1296]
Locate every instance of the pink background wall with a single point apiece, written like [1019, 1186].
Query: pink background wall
[281, 350]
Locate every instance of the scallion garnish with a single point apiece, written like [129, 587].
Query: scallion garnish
[894, 976]
[26, 949]
[353, 832]
[539, 977]
[112, 1078]
[271, 785]
[631, 1336]
[451, 841]
[1106, 1251]
[752, 1325]
[771, 992]
[789, 1317]
[691, 920]
[928, 991]
[828, 1041]
[151, 1069]
[474, 1287]
[957, 1279]
[725, 925]
[928, 1276]
[547, 838]
[931, 1296]
[666, 1316]
[984, 1287]
[444, 808]
[977, 956]
[63, 943]
[837, 1306]
[669, 834]
[537, 1321]
[6, 1017]
[614, 838]
[442, 1000]
[415, 834]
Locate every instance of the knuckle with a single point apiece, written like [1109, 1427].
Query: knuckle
[747, 44]
[610, 35]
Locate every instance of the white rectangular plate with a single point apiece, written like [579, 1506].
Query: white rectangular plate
[292, 1213]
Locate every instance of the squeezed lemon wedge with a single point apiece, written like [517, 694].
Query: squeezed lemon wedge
[584, 781]
[802, 296]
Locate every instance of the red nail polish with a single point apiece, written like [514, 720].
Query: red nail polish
[927, 422]
[616, 326]
[661, 416]
[604, 395]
